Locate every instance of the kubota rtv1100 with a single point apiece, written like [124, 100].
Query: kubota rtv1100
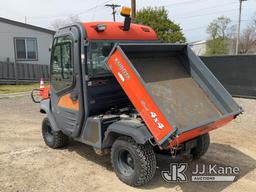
[116, 87]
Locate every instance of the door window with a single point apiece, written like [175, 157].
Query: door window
[61, 64]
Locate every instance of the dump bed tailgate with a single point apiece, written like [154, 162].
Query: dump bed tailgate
[171, 88]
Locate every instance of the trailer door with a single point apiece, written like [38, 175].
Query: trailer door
[66, 90]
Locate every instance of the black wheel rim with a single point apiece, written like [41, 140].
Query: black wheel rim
[125, 162]
[48, 133]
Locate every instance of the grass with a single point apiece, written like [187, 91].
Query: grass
[6, 89]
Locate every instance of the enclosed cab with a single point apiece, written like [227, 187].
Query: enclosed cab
[117, 88]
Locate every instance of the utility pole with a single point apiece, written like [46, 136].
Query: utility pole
[113, 6]
[25, 19]
[133, 5]
[239, 26]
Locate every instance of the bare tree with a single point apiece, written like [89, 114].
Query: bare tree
[220, 28]
[220, 31]
[212, 30]
[58, 23]
[253, 24]
[247, 40]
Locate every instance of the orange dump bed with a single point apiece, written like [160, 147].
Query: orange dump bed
[174, 92]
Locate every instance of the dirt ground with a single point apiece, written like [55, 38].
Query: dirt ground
[26, 164]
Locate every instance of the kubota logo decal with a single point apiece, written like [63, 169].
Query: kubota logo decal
[123, 74]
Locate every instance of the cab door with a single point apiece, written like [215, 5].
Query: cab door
[66, 89]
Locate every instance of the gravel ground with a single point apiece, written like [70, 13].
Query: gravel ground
[26, 164]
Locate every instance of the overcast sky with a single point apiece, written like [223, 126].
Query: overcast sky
[192, 15]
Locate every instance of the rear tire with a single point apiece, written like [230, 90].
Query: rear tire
[53, 139]
[134, 164]
[203, 143]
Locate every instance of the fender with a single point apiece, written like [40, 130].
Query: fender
[45, 108]
[132, 128]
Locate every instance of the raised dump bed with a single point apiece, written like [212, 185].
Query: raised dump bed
[171, 88]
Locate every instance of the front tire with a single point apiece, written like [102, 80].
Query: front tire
[53, 139]
[134, 164]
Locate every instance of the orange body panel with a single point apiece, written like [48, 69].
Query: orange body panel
[199, 131]
[66, 102]
[114, 32]
[138, 95]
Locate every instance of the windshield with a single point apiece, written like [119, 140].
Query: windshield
[98, 52]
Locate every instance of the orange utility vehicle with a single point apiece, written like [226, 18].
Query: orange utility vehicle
[116, 87]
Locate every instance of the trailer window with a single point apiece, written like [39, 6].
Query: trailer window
[61, 64]
[98, 51]
[26, 48]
